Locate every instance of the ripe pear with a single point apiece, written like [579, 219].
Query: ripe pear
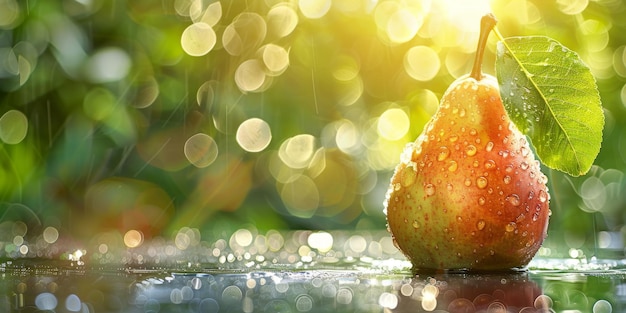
[469, 193]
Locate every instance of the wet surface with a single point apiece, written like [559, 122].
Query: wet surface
[360, 286]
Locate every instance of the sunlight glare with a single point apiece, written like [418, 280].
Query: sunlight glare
[463, 19]
[464, 14]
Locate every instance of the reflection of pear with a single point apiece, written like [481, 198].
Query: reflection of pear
[469, 193]
[473, 293]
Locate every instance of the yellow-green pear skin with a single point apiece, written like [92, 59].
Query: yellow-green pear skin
[469, 193]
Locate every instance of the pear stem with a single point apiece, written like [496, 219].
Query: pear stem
[487, 23]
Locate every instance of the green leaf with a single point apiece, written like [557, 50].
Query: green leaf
[552, 97]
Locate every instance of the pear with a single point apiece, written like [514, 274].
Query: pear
[469, 193]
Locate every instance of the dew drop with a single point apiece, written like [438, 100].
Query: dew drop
[468, 182]
[524, 151]
[416, 225]
[513, 199]
[535, 216]
[470, 150]
[543, 196]
[489, 146]
[523, 166]
[480, 225]
[508, 168]
[475, 163]
[481, 200]
[489, 164]
[473, 132]
[429, 189]
[507, 179]
[452, 166]
[449, 187]
[444, 152]
[492, 252]
[531, 195]
[453, 138]
[397, 186]
[481, 182]
[459, 218]
[510, 227]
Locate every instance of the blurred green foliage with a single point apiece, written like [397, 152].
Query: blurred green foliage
[113, 95]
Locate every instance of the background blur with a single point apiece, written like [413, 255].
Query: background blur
[147, 119]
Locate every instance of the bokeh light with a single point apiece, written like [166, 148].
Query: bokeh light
[13, 127]
[198, 39]
[108, 64]
[314, 9]
[393, 124]
[133, 238]
[254, 135]
[201, 150]
[281, 20]
[422, 63]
